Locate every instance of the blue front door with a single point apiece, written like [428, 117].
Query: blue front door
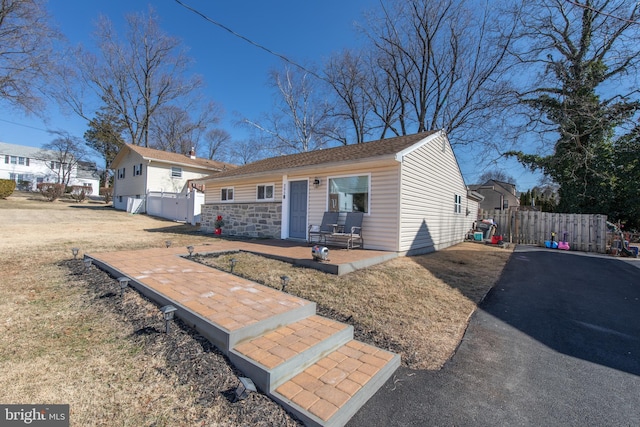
[298, 209]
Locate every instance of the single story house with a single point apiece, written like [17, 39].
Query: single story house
[410, 189]
[142, 173]
[30, 166]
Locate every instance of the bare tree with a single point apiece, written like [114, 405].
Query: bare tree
[216, 141]
[62, 155]
[26, 52]
[245, 151]
[174, 129]
[346, 73]
[135, 77]
[301, 120]
[444, 63]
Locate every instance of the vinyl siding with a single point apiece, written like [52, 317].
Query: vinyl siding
[431, 179]
[129, 186]
[156, 176]
[244, 190]
[159, 177]
[380, 224]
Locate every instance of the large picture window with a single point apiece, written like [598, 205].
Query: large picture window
[349, 194]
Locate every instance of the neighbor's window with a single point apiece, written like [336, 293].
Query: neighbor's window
[349, 194]
[121, 173]
[505, 204]
[265, 192]
[137, 169]
[226, 194]
[176, 172]
[457, 207]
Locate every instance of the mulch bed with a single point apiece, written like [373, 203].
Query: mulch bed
[190, 357]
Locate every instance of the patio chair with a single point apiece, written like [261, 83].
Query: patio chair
[351, 231]
[328, 225]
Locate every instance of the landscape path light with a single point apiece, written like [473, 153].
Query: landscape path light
[285, 282]
[124, 282]
[190, 249]
[232, 264]
[168, 243]
[75, 251]
[167, 313]
[87, 264]
[245, 385]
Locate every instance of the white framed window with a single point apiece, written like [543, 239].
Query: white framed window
[349, 193]
[176, 172]
[226, 194]
[137, 170]
[457, 204]
[121, 173]
[264, 192]
[14, 160]
[23, 161]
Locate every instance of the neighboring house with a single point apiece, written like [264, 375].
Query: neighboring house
[498, 195]
[410, 188]
[141, 174]
[29, 166]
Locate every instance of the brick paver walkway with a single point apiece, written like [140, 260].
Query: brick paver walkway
[308, 363]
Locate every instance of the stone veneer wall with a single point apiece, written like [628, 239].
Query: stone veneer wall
[244, 219]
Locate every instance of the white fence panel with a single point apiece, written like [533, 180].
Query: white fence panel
[171, 206]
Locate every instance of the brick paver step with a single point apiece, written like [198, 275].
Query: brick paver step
[331, 390]
[274, 357]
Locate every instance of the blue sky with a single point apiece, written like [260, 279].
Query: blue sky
[235, 72]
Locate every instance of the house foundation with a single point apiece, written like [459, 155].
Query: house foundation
[258, 220]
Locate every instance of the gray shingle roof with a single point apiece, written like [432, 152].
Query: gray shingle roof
[352, 152]
[165, 156]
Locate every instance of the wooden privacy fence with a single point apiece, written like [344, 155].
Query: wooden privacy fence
[586, 233]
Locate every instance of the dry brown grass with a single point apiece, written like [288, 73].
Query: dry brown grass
[57, 346]
[416, 306]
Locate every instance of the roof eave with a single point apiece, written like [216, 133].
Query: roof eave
[292, 171]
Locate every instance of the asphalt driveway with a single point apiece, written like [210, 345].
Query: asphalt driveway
[555, 343]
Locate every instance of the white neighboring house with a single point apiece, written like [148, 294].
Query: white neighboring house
[29, 166]
[157, 182]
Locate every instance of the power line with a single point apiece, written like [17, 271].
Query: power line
[23, 125]
[248, 40]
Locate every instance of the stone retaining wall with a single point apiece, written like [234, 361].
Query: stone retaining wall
[244, 219]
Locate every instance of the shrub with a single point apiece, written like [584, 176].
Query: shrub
[6, 188]
[107, 193]
[51, 191]
[79, 192]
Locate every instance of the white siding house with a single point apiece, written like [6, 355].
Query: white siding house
[141, 173]
[29, 166]
[410, 189]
